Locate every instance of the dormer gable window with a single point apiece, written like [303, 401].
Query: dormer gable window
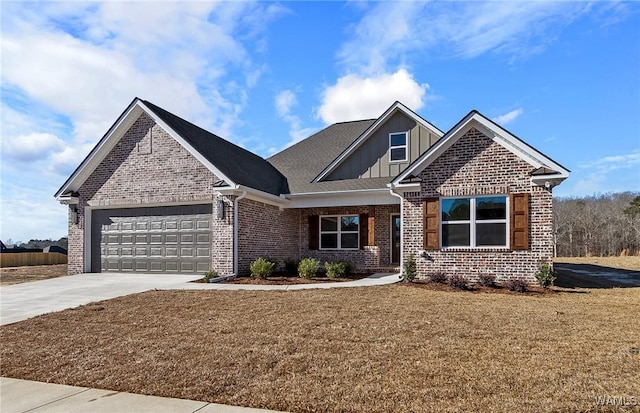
[398, 146]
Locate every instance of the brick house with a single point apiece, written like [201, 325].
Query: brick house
[159, 194]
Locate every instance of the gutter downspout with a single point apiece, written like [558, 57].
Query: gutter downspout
[235, 233]
[393, 193]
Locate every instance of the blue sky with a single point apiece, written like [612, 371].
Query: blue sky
[563, 76]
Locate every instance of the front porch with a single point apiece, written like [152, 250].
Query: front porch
[367, 236]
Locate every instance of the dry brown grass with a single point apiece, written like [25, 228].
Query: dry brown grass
[624, 263]
[377, 349]
[17, 275]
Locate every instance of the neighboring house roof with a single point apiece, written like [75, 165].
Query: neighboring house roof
[302, 162]
[543, 167]
[230, 163]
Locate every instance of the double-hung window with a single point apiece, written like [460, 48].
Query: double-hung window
[474, 222]
[398, 146]
[339, 232]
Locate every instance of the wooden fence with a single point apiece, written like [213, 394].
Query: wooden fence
[18, 259]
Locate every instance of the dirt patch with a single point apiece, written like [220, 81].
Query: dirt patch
[17, 275]
[374, 349]
[479, 289]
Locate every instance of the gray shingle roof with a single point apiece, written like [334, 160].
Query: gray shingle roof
[238, 164]
[302, 162]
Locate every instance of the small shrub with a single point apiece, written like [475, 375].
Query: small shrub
[487, 280]
[545, 275]
[308, 267]
[410, 269]
[261, 268]
[210, 274]
[336, 269]
[457, 281]
[349, 268]
[291, 265]
[438, 277]
[517, 285]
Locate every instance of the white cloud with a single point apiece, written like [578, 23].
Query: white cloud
[393, 32]
[64, 162]
[32, 147]
[355, 97]
[508, 117]
[284, 102]
[611, 173]
[87, 61]
[614, 162]
[29, 213]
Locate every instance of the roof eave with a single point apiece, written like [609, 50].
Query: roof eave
[493, 131]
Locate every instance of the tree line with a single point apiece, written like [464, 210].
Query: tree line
[599, 225]
[38, 243]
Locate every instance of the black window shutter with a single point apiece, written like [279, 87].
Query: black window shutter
[314, 232]
[364, 230]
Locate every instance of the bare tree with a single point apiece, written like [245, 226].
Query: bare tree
[599, 225]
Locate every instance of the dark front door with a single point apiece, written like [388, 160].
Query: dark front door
[395, 239]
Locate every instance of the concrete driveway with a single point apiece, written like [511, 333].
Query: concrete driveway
[21, 301]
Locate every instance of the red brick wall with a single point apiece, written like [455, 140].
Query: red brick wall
[475, 165]
[147, 166]
[266, 231]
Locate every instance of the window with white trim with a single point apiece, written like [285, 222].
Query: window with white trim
[398, 146]
[340, 232]
[474, 221]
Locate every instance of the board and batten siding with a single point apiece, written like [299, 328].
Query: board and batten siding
[371, 159]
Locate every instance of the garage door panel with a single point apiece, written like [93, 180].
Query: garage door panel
[187, 238]
[163, 239]
[203, 266]
[187, 224]
[186, 252]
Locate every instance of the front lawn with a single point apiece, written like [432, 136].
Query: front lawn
[375, 349]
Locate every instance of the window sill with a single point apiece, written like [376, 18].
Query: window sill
[475, 249]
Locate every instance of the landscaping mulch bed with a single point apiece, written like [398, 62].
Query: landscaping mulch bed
[392, 348]
[477, 288]
[280, 279]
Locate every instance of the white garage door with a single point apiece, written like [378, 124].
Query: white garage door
[157, 240]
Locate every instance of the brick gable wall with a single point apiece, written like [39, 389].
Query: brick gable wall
[148, 166]
[476, 165]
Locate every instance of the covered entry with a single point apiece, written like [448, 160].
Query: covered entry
[173, 239]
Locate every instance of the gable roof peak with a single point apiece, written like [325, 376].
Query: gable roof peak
[391, 110]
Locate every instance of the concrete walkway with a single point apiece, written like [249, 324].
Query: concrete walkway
[19, 396]
[22, 301]
[372, 280]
